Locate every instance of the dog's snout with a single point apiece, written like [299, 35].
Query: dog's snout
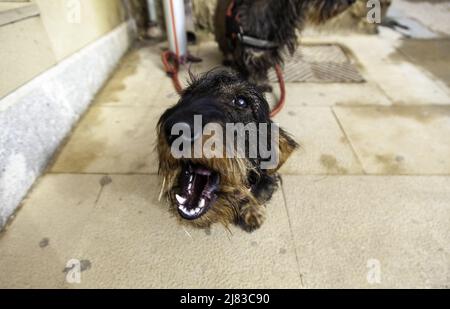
[183, 130]
[188, 119]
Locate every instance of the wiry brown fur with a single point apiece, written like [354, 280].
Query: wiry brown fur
[244, 186]
[271, 20]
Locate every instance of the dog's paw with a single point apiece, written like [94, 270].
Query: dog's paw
[252, 217]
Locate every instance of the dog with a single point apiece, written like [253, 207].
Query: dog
[203, 190]
[254, 34]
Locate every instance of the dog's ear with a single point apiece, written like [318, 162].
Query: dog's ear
[286, 146]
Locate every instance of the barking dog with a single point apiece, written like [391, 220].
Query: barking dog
[253, 34]
[204, 189]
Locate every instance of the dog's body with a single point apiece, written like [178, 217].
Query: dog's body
[204, 190]
[254, 34]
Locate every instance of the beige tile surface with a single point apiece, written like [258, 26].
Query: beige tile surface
[112, 140]
[136, 82]
[344, 225]
[129, 239]
[317, 94]
[324, 147]
[132, 241]
[382, 63]
[399, 139]
[47, 231]
[432, 55]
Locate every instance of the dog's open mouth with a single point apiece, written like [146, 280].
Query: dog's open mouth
[198, 190]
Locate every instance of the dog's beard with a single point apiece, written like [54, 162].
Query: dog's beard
[202, 191]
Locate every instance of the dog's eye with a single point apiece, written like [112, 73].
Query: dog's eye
[240, 102]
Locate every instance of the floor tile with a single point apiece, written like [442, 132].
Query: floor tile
[112, 140]
[136, 82]
[399, 139]
[44, 236]
[324, 148]
[351, 228]
[131, 240]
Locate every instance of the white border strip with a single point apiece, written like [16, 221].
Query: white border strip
[35, 118]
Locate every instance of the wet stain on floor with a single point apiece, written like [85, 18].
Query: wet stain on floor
[105, 180]
[421, 114]
[391, 163]
[84, 266]
[81, 156]
[430, 55]
[44, 242]
[127, 67]
[331, 164]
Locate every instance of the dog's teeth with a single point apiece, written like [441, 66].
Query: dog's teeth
[192, 212]
[180, 199]
[202, 203]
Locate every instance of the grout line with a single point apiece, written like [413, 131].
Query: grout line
[118, 106]
[102, 174]
[390, 99]
[292, 233]
[355, 154]
[283, 174]
[366, 175]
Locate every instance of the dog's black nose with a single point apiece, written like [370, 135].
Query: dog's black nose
[183, 130]
[187, 119]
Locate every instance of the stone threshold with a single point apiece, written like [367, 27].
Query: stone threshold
[39, 115]
[14, 12]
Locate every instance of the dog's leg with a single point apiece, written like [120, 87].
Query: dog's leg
[228, 60]
[265, 88]
[252, 216]
[261, 80]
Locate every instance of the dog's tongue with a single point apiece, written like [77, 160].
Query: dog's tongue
[197, 182]
[202, 171]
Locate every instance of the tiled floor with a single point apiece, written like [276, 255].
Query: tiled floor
[369, 188]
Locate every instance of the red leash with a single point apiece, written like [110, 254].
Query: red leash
[172, 70]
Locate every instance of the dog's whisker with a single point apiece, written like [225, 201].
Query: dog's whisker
[187, 233]
[230, 233]
[163, 186]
